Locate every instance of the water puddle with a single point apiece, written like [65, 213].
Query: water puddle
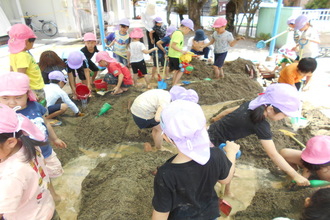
[246, 182]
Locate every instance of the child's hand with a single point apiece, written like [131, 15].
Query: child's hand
[231, 147]
[155, 48]
[59, 143]
[115, 90]
[300, 180]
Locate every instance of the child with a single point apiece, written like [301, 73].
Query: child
[293, 73]
[118, 74]
[223, 40]
[48, 62]
[15, 91]
[89, 50]
[176, 46]
[21, 40]
[314, 158]
[184, 185]
[309, 39]
[135, 52]
[277, 102]
[162, 44]
[317, 206]
[24, 192]
[77, 64]
[195, 44]
[120, 42]
[54, 92]
[147, 107]
[158, 31]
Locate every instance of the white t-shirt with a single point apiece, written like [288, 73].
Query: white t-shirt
[145, 105]
[135, 48]
[54, 92]
[24, 190]
[221, 43]
[206, 41]
[311, 49]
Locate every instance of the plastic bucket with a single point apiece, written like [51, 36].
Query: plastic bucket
[100, 86]
[82, 91]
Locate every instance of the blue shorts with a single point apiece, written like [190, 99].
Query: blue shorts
[219, 59]
[144, 123]
[53, 108]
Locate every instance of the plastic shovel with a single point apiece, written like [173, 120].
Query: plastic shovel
[291, 135]
[317, 183]
[161, 82]
[261, 44]
[224, 206]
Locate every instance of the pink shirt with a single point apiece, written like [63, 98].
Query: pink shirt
[24, 190]
[116, 69]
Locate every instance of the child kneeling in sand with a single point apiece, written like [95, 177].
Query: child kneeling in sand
[315, 158]
[118, 74]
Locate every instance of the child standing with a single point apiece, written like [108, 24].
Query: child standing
[184, 185]
[118, 74]
[89, 50]
[222, 40]
[309, 39]
[15, 91]
[163, 45]
[54, 92]
[21, 40]
[135, 52]
[24, 192]
[120, 42]
[315, 158]
[176, 46]
[158, 31]
[77, 64]
[49, 61]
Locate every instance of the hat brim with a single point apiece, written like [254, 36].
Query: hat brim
[200, 152]
[16, 45]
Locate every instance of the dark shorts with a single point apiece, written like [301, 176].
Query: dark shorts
[92, 66]
[139, 66]
[219, 59]
[81, 73]
[174, 63]
[144, 123]
[54, 108]
[205, 52]
[112, 80]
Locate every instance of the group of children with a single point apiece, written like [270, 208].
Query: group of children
[184, 185]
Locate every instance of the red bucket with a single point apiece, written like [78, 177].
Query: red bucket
[100, 86]
[82, 91]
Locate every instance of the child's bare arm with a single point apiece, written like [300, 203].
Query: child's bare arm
[52, 135]
[210, 43]
[149, 51]
[160, 46]
[22, 70]
[151, 35]
[234, 42]
[224, 113]
[112, 43]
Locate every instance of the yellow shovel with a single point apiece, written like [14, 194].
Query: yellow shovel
[291, 135]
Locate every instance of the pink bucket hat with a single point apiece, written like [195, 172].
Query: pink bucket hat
[136, 33]
[282, 96]
[76, 59]
[18, 34]
[188, 23]
[15, 84]
[220, 22]
[170, 30]
[103, 55]
[89, 36]
[11, 122]
[317, 150]
[184, 122]
[180, 93]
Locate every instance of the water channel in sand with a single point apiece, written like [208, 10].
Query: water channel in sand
[246, 182]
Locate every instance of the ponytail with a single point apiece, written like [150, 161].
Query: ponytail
[28, 143]
[257, 115]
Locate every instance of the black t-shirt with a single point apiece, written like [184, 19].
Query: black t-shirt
[238, 125]
[46, 72]
[187, 190]
[88, 54]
